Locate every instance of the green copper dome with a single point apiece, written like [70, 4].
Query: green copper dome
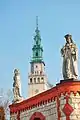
[37, 48]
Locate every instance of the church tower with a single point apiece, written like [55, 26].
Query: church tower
[37, 78]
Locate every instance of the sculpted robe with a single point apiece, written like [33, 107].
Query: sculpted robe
[70, 56]
[17, 86]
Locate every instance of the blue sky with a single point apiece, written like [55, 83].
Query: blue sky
[17, 29]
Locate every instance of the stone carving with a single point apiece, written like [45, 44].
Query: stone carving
[70, 56]
[16, 86]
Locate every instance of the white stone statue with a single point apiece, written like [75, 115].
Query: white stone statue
[16, 86]
[70, 56]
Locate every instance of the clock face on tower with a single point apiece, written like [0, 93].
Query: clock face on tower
[36, 91]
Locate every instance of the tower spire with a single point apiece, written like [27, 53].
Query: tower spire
[37, 76]
[37, 22]
[37, 30]
[37, 47]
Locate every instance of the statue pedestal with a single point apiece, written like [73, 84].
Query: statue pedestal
[18, 100]
[69, 80]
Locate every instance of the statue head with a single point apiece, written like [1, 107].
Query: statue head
[16, 72]
[68, 38]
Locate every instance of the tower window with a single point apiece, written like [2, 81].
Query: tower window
[36, 54]
[30, 80]
[37, 72]
[34, 80]
[36, 66]
[42, 79]
[40, 72]
[37, 42]
[38, 80]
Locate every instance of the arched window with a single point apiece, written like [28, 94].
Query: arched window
[38, 80]
[42, 79]
[37, 116]
[34, 80]
[30, 80]
[36, 66]
[37, 72]
[36, 54]
[40, 72]
[37, 42]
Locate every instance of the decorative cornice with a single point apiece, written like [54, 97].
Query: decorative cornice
[47, 96]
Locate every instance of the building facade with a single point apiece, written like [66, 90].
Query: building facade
[44, 102]
[61, 102]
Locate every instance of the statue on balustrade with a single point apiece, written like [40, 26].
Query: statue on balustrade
[69, 53]
[16, 86]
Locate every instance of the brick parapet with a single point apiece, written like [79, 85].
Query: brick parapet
[55, 94]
